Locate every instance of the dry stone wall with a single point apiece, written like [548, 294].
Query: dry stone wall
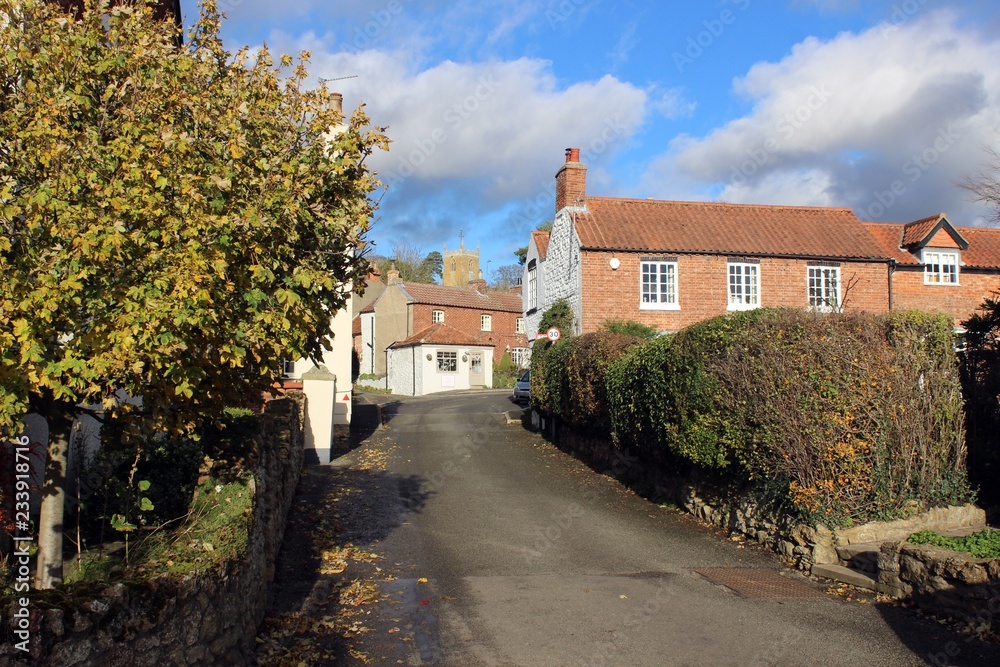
[206, 618]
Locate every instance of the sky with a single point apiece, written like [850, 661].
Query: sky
[881, 106]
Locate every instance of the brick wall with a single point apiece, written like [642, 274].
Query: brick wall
[702, 282]
[469, 320]
[959, 301]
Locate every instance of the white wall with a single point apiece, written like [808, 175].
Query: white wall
[531, 321]
[403, 362]
[562, 268]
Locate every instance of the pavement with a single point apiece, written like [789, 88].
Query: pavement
[469, 541]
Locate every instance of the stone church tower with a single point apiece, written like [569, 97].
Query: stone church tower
[460, 266]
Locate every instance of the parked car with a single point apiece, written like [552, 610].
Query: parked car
[522, 390]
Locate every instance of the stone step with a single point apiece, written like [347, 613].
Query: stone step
[845, 575]
[863, 557]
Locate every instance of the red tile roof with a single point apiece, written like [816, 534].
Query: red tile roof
[541, 242]
[442, 334]
[888, 235]
[983, 251]
[438, 295]
[984, 247]
[916, 231]
[739, 229]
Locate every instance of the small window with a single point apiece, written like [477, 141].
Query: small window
[437, 316]
[940, 267]
[519, 325]
[824, 288]
[487, 323]
[521, 356]
[287, 367]
[658, 286]
[447, 362]
[744, 286]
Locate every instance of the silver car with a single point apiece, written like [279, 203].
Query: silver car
[522, 390]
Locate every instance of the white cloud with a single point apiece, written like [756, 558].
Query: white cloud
[841, 122]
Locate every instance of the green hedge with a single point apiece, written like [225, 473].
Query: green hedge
[848, 417]
[586, 371]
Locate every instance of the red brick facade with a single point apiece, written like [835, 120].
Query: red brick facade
[503, 334]
[598, 244]
[702, 288]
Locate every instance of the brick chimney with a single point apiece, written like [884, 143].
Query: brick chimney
[571, 181]
[392, 276]
[478, 285]
[337, 102]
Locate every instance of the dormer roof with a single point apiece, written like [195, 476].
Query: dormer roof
[927, 232]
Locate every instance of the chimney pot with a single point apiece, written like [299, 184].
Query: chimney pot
[572, 155]
[337, 100]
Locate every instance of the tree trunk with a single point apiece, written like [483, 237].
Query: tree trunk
[49, 569]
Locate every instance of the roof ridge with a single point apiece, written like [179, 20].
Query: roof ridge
[789, 207]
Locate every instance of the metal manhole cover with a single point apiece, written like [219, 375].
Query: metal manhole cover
[758, 583]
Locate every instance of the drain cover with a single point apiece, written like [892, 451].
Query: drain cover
[758, 583]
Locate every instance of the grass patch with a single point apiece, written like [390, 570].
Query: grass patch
[984, 544]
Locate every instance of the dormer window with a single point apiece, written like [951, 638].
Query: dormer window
[940, 266]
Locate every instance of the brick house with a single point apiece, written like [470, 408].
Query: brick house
[669, 264]
[939, 267]
[406, 310]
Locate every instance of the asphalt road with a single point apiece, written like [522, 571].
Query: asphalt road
[504, 550]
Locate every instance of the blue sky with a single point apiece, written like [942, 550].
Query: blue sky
[883, 106]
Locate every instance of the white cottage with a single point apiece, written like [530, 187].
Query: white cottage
[439, 358]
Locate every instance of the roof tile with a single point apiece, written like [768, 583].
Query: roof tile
[672, 226]
[438, 295]
[442, 334]
[541, 242]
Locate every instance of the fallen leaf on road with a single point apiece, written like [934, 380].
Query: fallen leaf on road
[623, 597]
[423, 602]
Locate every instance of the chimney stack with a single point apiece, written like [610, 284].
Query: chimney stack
[571, 181]
[337, 102]
[392, 276]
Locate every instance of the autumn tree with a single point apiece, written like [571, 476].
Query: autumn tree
[412, 264]
[175, 220]
[506, 276]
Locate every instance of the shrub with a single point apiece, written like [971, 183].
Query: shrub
[586, 374]
[984, 544]
[981, 388]
[854, 416]
[630, 328]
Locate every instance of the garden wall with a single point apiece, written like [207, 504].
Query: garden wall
[202, 618]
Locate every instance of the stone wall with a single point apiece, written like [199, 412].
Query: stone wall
[200, 619]
[942, 581]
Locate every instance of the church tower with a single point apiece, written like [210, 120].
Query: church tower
[460, 266]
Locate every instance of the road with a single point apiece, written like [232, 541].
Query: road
[496, 548]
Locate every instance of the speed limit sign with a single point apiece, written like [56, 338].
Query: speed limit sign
[553, 334]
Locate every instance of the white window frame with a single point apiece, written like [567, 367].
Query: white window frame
[486, 322]
[447, 361]
[940, 266]
[520, 356]
[818, 288]
[658, 298]
[532, 285]
[519, 325]
[287, 367]
[743, 285]
[437, 316]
